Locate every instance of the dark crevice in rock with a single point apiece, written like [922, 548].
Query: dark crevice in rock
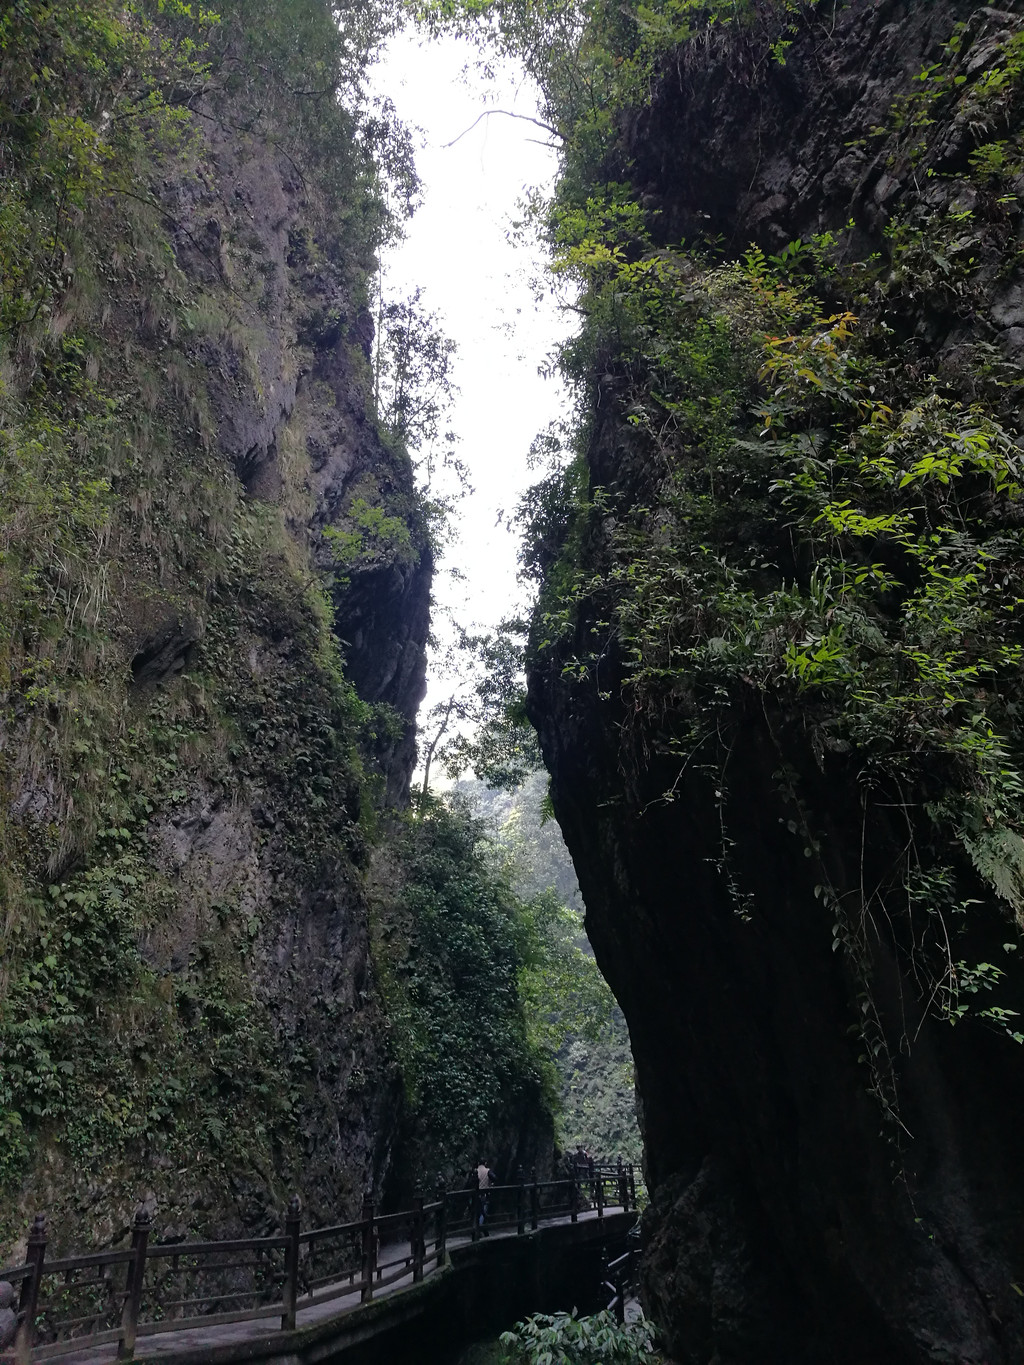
[165, 653]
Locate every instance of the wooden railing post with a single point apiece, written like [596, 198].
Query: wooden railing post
[475, 1234]
[534, 1200]
[599, 1193]
[632, 1186]
[520, 1202]
[620, 1292]
[29, 1301]
[623, 1187]
[418, 1238]
[574, 1199]
[290, 1294]
[442, 1222]
[369, 1251]
[133, 1289]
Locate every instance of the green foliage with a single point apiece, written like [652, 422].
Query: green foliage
[594, 59]
[413, 392]
[369, 537]
[90, 88]
[566, 1339]
[482, 723]
[297, 71]
[598, 1094]
[572, 1011]
[102, 1045]
[960, 95]
[902, 633]
[412, 374]
[133, 1013]
[813, 528]
[934, 255]
[526, 830]
[449, 951]
[563, 991]
[97, 1045]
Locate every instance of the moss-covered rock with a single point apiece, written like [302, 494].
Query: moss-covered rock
[776, 656]
[200, 717]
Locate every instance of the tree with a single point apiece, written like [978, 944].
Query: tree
[482, 724]
[413, 384]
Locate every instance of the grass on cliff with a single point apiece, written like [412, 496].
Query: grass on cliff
[124, 529]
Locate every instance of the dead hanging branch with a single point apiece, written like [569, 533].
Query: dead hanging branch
[508, 113]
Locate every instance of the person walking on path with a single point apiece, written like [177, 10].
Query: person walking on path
[486, 1180]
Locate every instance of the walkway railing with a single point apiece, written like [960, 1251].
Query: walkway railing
[155, 1287]
[621, 1277]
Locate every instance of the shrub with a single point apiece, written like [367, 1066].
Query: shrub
[565, 1339]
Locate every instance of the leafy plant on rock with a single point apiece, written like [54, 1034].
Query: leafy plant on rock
[568, 1339]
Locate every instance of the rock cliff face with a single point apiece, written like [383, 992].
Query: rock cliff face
[193, 763]
[792, 1218]
[232, 966]
[293, 411]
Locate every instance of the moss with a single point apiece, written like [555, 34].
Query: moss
[167, 647]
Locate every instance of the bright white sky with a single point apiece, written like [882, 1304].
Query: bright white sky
[456, 251]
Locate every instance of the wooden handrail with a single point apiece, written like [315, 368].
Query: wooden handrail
[171, 1249]
[16, 1273]
[519, 1208]
[620, 1272]
[335, 1230]
[84, 1262]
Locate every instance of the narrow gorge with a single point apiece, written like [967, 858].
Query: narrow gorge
[773, 666]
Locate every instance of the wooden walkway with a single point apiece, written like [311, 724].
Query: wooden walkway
[184, 1300]
[166, 1345]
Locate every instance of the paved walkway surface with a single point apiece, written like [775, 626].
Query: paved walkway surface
[167, 1343]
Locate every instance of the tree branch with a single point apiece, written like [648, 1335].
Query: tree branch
[508, 113]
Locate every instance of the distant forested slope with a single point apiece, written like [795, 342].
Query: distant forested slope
[592, 1058]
